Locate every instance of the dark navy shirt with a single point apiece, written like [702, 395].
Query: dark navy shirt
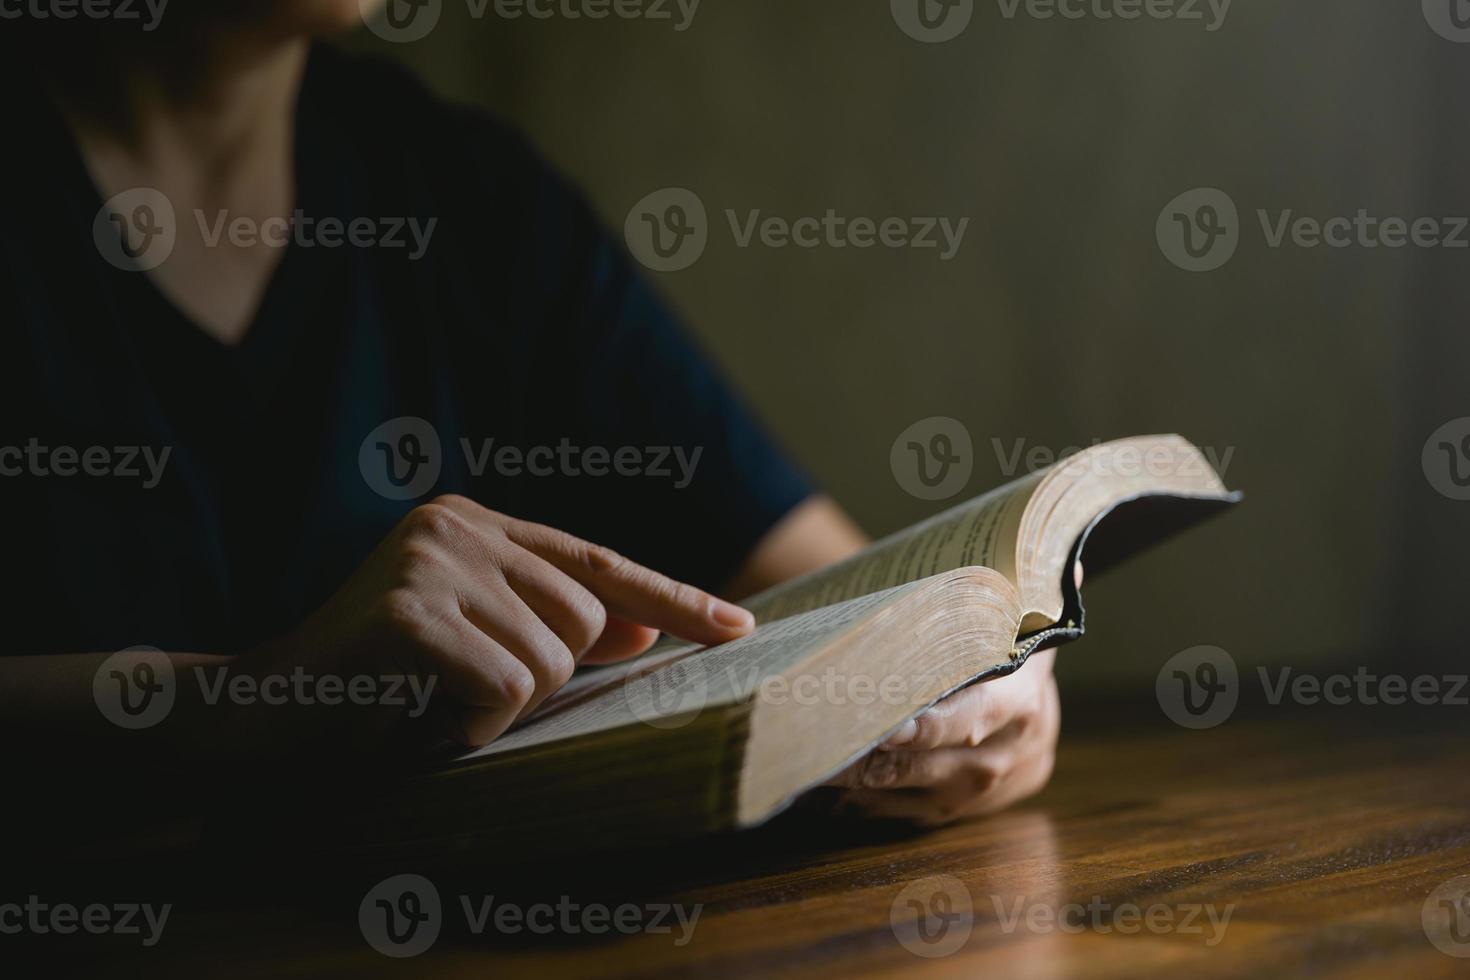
[520, 360]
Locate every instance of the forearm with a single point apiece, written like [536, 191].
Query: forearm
[814, 535]
[59, 704]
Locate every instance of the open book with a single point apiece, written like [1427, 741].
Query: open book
[687, 740]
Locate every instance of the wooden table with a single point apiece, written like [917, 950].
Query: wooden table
[1261, 848]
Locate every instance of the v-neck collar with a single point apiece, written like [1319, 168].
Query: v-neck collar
[279, 318]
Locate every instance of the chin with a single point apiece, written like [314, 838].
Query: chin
[303, 17]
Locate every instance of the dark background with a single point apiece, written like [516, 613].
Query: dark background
[1060, 321]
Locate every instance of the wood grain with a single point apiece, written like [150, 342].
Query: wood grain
[1322, 836]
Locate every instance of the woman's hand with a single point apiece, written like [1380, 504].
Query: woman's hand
[975, 752]
[499, 611]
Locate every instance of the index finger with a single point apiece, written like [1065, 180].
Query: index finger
[634, 592]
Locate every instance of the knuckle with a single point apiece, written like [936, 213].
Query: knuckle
[875, 771]
[983, 779]
[600, 559]
[417, 555]
[518, 685]
[588, 619]
[556, 661]
[1025, 722]
[436, 521]
[453, 501]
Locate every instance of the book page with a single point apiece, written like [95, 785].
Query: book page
[977, 532]
[669, 687]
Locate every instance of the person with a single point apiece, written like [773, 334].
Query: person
[211, 450]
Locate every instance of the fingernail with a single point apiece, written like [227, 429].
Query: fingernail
[903, 736]
[729, 615]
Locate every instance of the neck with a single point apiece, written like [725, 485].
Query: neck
[221, 105]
